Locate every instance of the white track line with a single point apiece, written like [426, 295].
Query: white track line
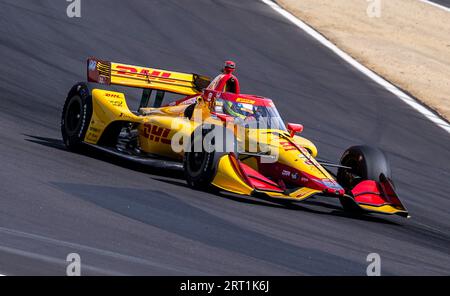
[375, 77]
[436, 5]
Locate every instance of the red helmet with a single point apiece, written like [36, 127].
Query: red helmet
[229, 67]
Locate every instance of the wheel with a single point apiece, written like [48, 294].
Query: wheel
[200, 166]
[367, 163]
[76, 116]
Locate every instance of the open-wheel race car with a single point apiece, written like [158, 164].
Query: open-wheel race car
[220, 137]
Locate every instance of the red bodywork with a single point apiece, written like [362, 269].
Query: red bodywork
[376, 193]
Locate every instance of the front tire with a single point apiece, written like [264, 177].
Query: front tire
[200, 167]
[76, 116]
[366, 162]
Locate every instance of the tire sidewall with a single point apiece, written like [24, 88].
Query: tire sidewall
[73, 139]
[368, 162]
[202, 178]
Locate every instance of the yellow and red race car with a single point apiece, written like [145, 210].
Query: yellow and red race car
[219, 137]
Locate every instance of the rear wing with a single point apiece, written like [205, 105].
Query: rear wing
[106, 72]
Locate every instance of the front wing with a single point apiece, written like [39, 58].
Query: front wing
[234, 176]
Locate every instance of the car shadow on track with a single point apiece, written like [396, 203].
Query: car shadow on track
[305, 206]
[171, 217]
[93, 153]
[49, 142]
[175, 177]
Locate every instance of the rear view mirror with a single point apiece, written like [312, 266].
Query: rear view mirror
[294, 128]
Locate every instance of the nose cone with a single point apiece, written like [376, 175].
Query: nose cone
[331, 187]
[305, 171]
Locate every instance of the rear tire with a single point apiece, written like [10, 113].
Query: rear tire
[200, 167]
[76, 116]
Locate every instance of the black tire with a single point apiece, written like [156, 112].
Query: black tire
[200, 167]
[367, 163]
[189, 111]
[76, 116]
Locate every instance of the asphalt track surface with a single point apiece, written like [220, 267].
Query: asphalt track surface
[445, 3]
[123, 219]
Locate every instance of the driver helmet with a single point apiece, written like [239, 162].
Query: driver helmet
[237, 110]
[229, 67]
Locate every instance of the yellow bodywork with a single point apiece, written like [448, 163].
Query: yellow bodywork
[107, 107]
[384, 209]
[157, 128]
[228, 179]
[144, 77]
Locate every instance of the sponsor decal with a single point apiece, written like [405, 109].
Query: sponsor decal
[287, 146]
[123, 115]
[243, 100]
[285, 173]
[92, 65]
[294, 176]
[329, 183]
[112, 95]
[83, 122]
[102, 79]
[92, 136]
[156, 133]
[300, 194]
[152, 75]
[116, 103]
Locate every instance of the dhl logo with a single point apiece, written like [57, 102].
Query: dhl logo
[137, 72]
[156, 133]
[112, 95]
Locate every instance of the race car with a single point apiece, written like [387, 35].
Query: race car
[219, 137]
